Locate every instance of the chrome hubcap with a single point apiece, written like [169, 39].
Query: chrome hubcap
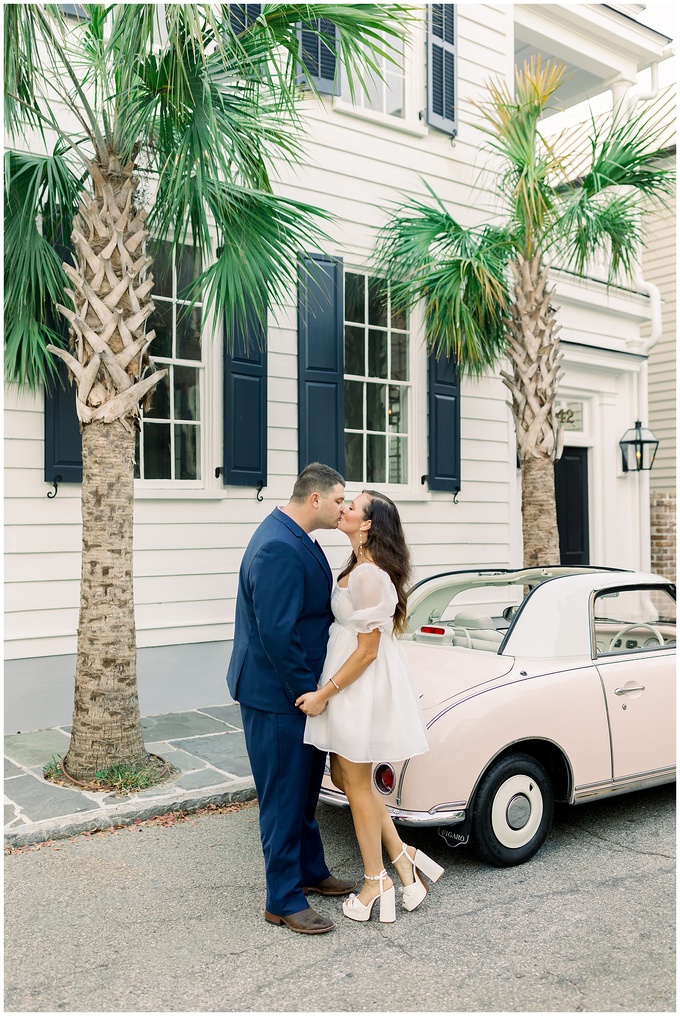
[517, 811]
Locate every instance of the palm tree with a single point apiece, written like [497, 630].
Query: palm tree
[196, 101]
[487, 289]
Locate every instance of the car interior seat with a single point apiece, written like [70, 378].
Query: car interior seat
[476, 631]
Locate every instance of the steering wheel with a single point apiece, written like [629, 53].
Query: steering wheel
[631, 627]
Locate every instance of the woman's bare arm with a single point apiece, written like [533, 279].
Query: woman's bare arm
[314, 702]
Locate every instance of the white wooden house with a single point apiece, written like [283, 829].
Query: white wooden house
[341, 381]
[659, 267]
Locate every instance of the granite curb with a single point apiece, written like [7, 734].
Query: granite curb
[71, 825]
[205, 746]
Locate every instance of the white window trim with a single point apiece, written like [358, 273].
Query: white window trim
[210, 376]
[414, 128]
[419, 358]
[412, 490]
[211, 380]
[144, 484]
[414, 91]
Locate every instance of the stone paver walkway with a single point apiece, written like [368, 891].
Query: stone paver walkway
[206, 746]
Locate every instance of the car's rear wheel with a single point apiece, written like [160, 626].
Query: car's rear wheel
[513, 810]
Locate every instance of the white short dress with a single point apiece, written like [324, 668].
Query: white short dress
[377, 717]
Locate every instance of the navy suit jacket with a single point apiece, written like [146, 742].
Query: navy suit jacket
[283, 613]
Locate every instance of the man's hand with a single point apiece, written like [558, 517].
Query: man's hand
[312, 703]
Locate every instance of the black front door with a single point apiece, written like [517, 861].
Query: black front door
[571, 496]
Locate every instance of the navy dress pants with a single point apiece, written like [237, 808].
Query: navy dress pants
[288, 775]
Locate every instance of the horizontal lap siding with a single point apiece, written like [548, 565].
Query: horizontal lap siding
[659, 265]
[188, 550]
[187, 554]
[42, 541]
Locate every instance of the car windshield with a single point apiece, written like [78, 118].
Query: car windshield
[633, 619]
[472, 609]
[496, 595]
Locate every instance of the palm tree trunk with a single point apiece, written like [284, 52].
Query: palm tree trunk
[106, 721]
[535, 352]
[112, 302]
[539, 516]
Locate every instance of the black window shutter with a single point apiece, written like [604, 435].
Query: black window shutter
[442, 108]
[444, 424]
[321, 413]
[63, 443]
[242, 16]
[319, 59]
[245, 406]
[74, 11]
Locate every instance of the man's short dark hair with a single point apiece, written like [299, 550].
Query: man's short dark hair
[315, 478]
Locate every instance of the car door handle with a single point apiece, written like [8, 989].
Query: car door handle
[627, 691]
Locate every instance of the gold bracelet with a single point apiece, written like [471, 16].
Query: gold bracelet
[336, 685]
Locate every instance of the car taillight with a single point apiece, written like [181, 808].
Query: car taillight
[383, 776]
[428, 629]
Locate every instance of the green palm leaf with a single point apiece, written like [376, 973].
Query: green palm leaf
[626, 152]
[254, 267]
[365, 36]
[510, 124]
[34, 279]
[202, 112]
[600, 209]
[459, 273]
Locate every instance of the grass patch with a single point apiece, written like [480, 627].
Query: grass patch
[126, 777]
[53, 769]
[123, 778]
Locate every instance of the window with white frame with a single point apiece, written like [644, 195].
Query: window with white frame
[169, 444]
[377, 383]
[386, 94]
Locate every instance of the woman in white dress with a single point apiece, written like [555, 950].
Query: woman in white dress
[365, 709]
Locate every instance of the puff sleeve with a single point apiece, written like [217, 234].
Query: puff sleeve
[373, 598]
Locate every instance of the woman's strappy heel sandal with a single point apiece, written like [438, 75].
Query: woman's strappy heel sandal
[414, 894]
[358, 911]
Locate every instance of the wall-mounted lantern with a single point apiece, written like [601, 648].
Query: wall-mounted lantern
[638, 448]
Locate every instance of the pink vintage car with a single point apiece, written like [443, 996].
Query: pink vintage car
[537, 685]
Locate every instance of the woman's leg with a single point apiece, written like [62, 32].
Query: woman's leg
[336, 774]
[367, 818]
[393, 844]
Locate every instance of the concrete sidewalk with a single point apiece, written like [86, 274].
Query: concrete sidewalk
[206, 745]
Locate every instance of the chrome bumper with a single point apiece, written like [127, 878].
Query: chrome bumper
[406, 818]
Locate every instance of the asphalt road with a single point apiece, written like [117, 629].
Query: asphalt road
[169, 919]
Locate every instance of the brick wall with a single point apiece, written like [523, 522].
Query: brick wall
[663, 533]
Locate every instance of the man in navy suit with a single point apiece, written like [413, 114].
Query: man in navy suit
[283, 614]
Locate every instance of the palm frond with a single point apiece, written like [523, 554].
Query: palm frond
[260, 236]
[510, 123]
[216, 125]
[622, 159]
[224, 135]
[37, 187]
[461, 274]
[609, 225]
[90, 50]
[627, 151]
[172, 90]
[45, 67]
[25, 30]
[368, 35]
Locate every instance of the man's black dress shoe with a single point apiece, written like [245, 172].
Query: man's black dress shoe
[306, 922]
[331, 886]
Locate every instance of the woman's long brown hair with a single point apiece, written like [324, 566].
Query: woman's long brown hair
[386, 544]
